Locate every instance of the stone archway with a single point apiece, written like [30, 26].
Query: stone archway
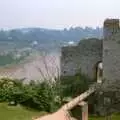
[98, 74]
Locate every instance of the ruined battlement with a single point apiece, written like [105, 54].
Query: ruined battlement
[86, 57]
[88, 53]
[111, 27]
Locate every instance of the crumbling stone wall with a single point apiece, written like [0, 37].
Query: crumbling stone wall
[81, 58]
[85, 56]
[111, 67]
[111, 50]
[111, 27]
[111, 59]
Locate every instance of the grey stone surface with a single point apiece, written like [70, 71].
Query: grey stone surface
[111, 50]
[85, 56]
[81, 58]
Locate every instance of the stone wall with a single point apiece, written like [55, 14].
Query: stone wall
[111, 66]
[111, 49]
[111, 58]
[84, 57]
[81, 58]
[111, 27]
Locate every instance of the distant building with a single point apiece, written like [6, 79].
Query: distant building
[34, 43]
[71, 42]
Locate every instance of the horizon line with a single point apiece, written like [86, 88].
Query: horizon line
[50, 28]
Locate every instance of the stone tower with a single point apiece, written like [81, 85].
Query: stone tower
[111, 27]
[111, 48]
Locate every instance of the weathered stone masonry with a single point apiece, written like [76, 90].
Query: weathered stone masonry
[82, 58]
[111, 50]
[89, 52]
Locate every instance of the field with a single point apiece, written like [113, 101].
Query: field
[21, 113]
[17, 113]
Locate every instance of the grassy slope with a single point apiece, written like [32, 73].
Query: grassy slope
[114, 117]
[17, 113]
[21, 113]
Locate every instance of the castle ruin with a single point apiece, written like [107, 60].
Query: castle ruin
[85, 57]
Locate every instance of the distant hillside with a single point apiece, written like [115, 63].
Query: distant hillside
[18, 44]
[25, 36]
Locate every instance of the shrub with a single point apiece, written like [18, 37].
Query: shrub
[43, 96]
[74, 85]
[36, 95]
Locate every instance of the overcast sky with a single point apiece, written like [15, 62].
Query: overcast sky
[56, 13]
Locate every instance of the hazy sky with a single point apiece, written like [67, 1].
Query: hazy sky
[56, 13]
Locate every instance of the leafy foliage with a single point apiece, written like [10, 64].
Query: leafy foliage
[9, 58]
[74, 85]
[36, 95]
[42, 96]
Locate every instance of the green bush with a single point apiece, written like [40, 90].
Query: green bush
[10, 90]
[36, 95]
[42, 96]
[74, 85]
